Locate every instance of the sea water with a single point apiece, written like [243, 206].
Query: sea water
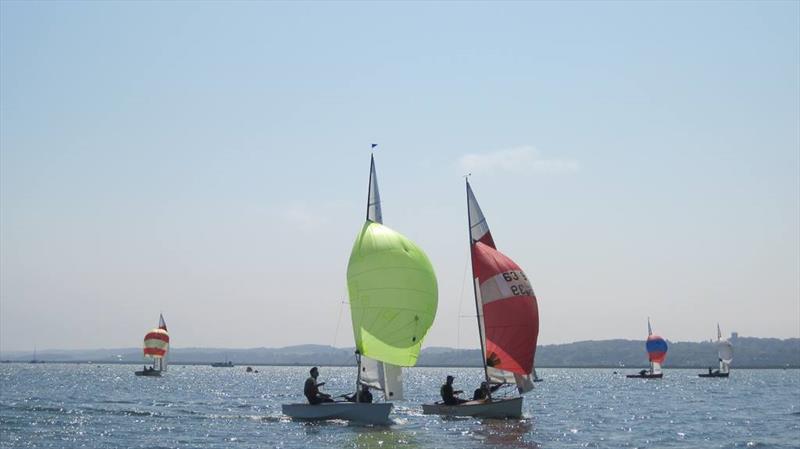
[106, 406]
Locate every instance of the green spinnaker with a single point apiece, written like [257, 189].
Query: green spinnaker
[393, 295]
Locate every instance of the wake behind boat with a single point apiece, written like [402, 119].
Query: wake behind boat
[508, 325]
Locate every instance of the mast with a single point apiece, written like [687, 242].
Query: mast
[649, 333]
[475, 293]
[369, 187]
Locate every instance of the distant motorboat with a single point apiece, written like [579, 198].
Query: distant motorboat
[724, 355]
[656, 352]
[156, 346]
[225, 364]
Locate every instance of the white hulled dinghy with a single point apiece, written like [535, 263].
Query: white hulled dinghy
[724, 355]
[393, 299]
[508, 323]
[156, 346]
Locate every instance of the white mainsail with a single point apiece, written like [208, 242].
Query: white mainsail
[724, 352]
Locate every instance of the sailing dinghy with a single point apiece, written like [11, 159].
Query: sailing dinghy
[156, 346]
[393, 299]
[508, 323]
[656, 352]
[725, 356]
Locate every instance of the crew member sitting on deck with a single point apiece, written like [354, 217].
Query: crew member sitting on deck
[311, 389]
[363, 395]
[483, 391]
[449, 395]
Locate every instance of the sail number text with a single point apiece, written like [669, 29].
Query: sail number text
[518, 283]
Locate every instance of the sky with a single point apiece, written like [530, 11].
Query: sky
[209, 161]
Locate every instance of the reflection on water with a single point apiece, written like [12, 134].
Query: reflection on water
[73, 406]
[506, 433]
[383, 438]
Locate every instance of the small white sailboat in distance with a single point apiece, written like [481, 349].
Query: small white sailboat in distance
[393, 299]
[156, 346]
[724, 355]
[508, 324]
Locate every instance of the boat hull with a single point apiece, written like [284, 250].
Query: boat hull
[375, 413]
[713, 375]
[497, 408]
[645, 376]
[148, 373]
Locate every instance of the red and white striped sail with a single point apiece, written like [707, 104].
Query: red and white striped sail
[156, 344]
[510, 314]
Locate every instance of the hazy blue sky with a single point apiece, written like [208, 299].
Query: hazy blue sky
[210, 161]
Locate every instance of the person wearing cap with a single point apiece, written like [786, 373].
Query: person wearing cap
[449, 395]
[311, 389]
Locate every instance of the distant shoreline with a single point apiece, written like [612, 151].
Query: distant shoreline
[297, 365]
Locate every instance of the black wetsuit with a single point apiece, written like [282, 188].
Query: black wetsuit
[448, 395]
[312, 392]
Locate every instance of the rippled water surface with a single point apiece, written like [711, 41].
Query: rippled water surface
[66, 406]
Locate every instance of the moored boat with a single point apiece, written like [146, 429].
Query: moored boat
[507, 320]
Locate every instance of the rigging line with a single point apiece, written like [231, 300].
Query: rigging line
[461, 302]
[338, 322]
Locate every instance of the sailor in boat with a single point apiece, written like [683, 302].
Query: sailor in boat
[362, 396]
[311, 389]
[483, 391]
[449, 395]
[643, 372]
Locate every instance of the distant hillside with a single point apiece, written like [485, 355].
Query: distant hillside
[748, 353]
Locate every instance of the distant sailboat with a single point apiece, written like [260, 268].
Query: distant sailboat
[34, 359]
[507, 320]
[156, 346]
[724, 355]
[393, 299]
[656, 352]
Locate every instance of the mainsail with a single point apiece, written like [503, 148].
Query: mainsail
[393, 298]
[508, 313]
[656, 349]
[156, 344]
[724, 352]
